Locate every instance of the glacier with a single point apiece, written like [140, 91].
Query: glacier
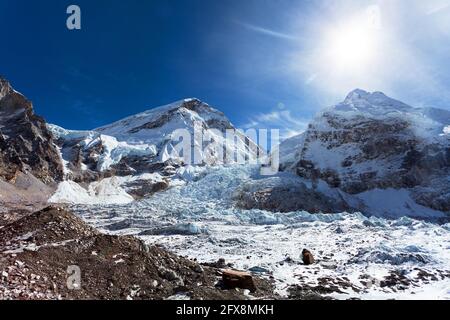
[356, 252]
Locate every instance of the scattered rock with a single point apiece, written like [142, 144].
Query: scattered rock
[236, 279]
[61, 240]
[307, 257]
[221, 263]
[304, 292]
[198, 268]
[170, 275]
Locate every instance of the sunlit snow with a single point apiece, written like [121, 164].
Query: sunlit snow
[356, 251]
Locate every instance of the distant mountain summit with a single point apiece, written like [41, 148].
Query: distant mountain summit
[180, 114]
[375, 103]
[144, 142]
[139, 155]
[373, 142]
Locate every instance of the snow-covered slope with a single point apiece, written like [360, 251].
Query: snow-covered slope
[149, 135]
[145, 143]
[157, 126]
[372, 142]
[357, 256]
[154, 125]
[110, 150]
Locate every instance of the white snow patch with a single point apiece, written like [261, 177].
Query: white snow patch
[113, 150]
[106, 191]
[392, 203]
[446, 130]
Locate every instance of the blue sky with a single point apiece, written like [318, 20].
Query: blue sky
[264, 63]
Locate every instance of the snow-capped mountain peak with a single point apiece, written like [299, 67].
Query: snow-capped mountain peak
[149, 140]
[356, 94]
[372, 103]
[149, 126]
[371, 142]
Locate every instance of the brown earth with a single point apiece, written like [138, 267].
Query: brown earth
[37, 249]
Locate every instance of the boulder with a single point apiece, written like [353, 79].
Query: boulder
[237, 279]
[307, 257]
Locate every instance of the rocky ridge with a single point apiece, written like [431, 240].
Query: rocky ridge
[360, 149]
[25, 143]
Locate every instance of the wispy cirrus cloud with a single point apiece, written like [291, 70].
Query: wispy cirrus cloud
[279, 118]
[267, 31]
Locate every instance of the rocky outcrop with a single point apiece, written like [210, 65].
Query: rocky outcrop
[144, 188]
[371, 141]
[381, 154]
[26, 146]
[41, 253]
[289, 198]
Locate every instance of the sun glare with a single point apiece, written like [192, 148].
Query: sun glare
[353, 45]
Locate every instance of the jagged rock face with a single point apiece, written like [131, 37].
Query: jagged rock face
[25, 143]
[289, 199]
[390, 141]
[371, 142]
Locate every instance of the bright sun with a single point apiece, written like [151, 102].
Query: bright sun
[348, 51]
[353, 45]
